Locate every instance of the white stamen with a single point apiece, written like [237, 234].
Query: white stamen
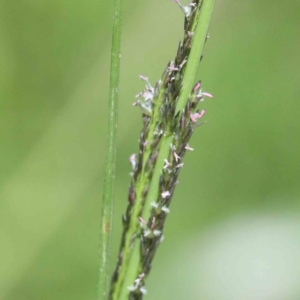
[157, 232]
[154, 204]
[143, 290]
[167, 164]
[165, 209]
[147, 232]
[177, 157]
[131, 288]
[165, 194]
[132, 160]
[187, 147]
[180, 165]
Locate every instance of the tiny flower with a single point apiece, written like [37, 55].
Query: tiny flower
[165, 209]
[153, 223]
[197, 86]
[190, 34]
[131, 288]
[165, 194]
[201, 94]
[148, 95]
[143, 290]
[132, 160]
[177, 157]
[144, 78]
[148, 85]
[157, 232]
[187, 10]
[180, 165]
[207, 94]
[172, 68]
[147, 232]
[167, 164]
[182, 64]
[158, 131]
[187, 147]
[142, 221]
[194, 117]
[146, 109]
[161, 238]
[154, 205]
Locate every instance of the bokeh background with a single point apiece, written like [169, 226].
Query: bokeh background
[233, 230]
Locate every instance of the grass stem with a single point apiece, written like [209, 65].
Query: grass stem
[110, 165]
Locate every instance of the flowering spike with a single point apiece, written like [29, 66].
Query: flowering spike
[167, 120]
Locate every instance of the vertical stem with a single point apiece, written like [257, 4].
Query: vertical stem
[110, 165]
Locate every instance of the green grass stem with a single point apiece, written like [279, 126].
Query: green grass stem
[110, 165]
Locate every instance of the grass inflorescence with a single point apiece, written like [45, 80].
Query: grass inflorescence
[169, 119]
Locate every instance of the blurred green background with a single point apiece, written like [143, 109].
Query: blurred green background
[233, 231]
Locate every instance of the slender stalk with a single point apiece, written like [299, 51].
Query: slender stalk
[170, 117]
[110, 165]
